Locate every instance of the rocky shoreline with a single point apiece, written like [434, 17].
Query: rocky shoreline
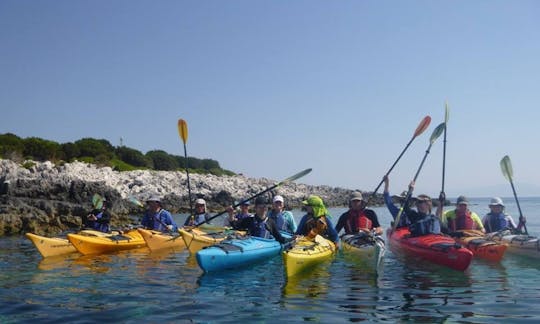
[45, 198]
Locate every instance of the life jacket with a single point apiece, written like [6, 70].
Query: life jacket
[464, 221]
[102, 227]
[357, 220]
[497, 222]
[278, 219]
[258, 228]
[316, 225]
[429, 224]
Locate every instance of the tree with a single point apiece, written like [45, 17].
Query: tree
[162, 160]
[70, 151]
[10, 143]
[133, 157]
[40, 149]
[93, 147]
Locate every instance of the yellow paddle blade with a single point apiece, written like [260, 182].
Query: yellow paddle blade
[506, 167]
[182, 130]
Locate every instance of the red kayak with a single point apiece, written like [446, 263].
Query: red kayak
[439, 249]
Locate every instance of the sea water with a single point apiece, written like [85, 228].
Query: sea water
[143, 287]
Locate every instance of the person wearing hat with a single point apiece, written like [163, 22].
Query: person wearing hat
[317, 221]
[200, 215]
[497, 220]
[422, 220]
[358, 218]
[156, 218]
[283, 218]
[260, 225]
[393, 209]
[462, 218]
[241, 214]
[99, 219]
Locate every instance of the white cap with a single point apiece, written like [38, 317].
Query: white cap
[496, 201]
[278, 198]
[200, 201]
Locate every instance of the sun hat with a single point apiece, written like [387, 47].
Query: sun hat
[496, 201]
[200, 201]
[462, 200]
[278, 198]
[244, 202]
[357, 195]
[317, 204]
[154, 198]
[422, 198]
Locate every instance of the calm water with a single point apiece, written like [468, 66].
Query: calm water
[138, 286]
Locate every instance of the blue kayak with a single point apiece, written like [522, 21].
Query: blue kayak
[239, 251]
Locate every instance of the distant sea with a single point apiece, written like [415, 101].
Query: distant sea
[143, 287]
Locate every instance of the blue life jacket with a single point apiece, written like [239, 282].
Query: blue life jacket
[258, 228]
[497, 222]
[101, 226]
[279, 220]
[429, 224]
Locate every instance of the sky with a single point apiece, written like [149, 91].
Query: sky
[270, 88]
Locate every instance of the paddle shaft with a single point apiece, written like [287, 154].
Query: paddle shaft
[519, 208]
[409, 192]
[188, 183]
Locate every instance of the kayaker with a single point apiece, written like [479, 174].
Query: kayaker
[423, 222]
[462, 218]
[283, 218]
[241, 214]
[358, 217]
[497, 220]
[157, 218]
[99, 219]
[317, 220]
[260, 224]
[200, 214]
[393, 209]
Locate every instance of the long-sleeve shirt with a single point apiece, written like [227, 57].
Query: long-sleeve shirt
[394, 210]
[284, 220]
[159, 221]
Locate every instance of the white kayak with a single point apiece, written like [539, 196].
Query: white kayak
[520, 244]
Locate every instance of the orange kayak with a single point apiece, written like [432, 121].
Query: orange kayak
[480, 246]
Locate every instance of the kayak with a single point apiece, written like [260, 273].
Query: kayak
[97, 245]
[481, 246]
[156, 240]
[520, 244]
[305, 254]
[52, 246]
[196, 238]
[438, 249]
[236, 252]
[365, 247]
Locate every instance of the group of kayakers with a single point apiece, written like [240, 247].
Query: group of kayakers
[268, 222]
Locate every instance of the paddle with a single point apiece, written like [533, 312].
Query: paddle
[506, 167]
[97, 201]
[424, 123]
[447, 110]
[136, 201]
[183, 132]
[289, 179]
[436, 133]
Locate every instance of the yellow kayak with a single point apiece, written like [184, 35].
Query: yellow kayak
[198, 238]
[158, 240]
[52, 246]
[306, 253]
[97, 245]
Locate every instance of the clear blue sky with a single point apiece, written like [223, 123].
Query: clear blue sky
[269, 88]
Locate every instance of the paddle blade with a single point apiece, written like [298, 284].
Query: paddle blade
[437, 132]
[446, 112]
[506, 167]
[182, 130]
[135, 201]
[97, 201]
[296, 176]
[422, 126]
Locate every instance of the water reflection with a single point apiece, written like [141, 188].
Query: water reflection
[309, 284]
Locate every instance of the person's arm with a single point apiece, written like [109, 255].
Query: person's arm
[300, 230]
[170, 221]
[332, 234]
[341, 222]
[291, 222]
[272, 227]
[478, 222]
[105, 218]
[374, 221]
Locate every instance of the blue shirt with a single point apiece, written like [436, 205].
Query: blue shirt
[159, 221]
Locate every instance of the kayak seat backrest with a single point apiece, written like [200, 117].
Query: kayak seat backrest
[479, 241]
[229, 247]
[445, 246]
[120, 238]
